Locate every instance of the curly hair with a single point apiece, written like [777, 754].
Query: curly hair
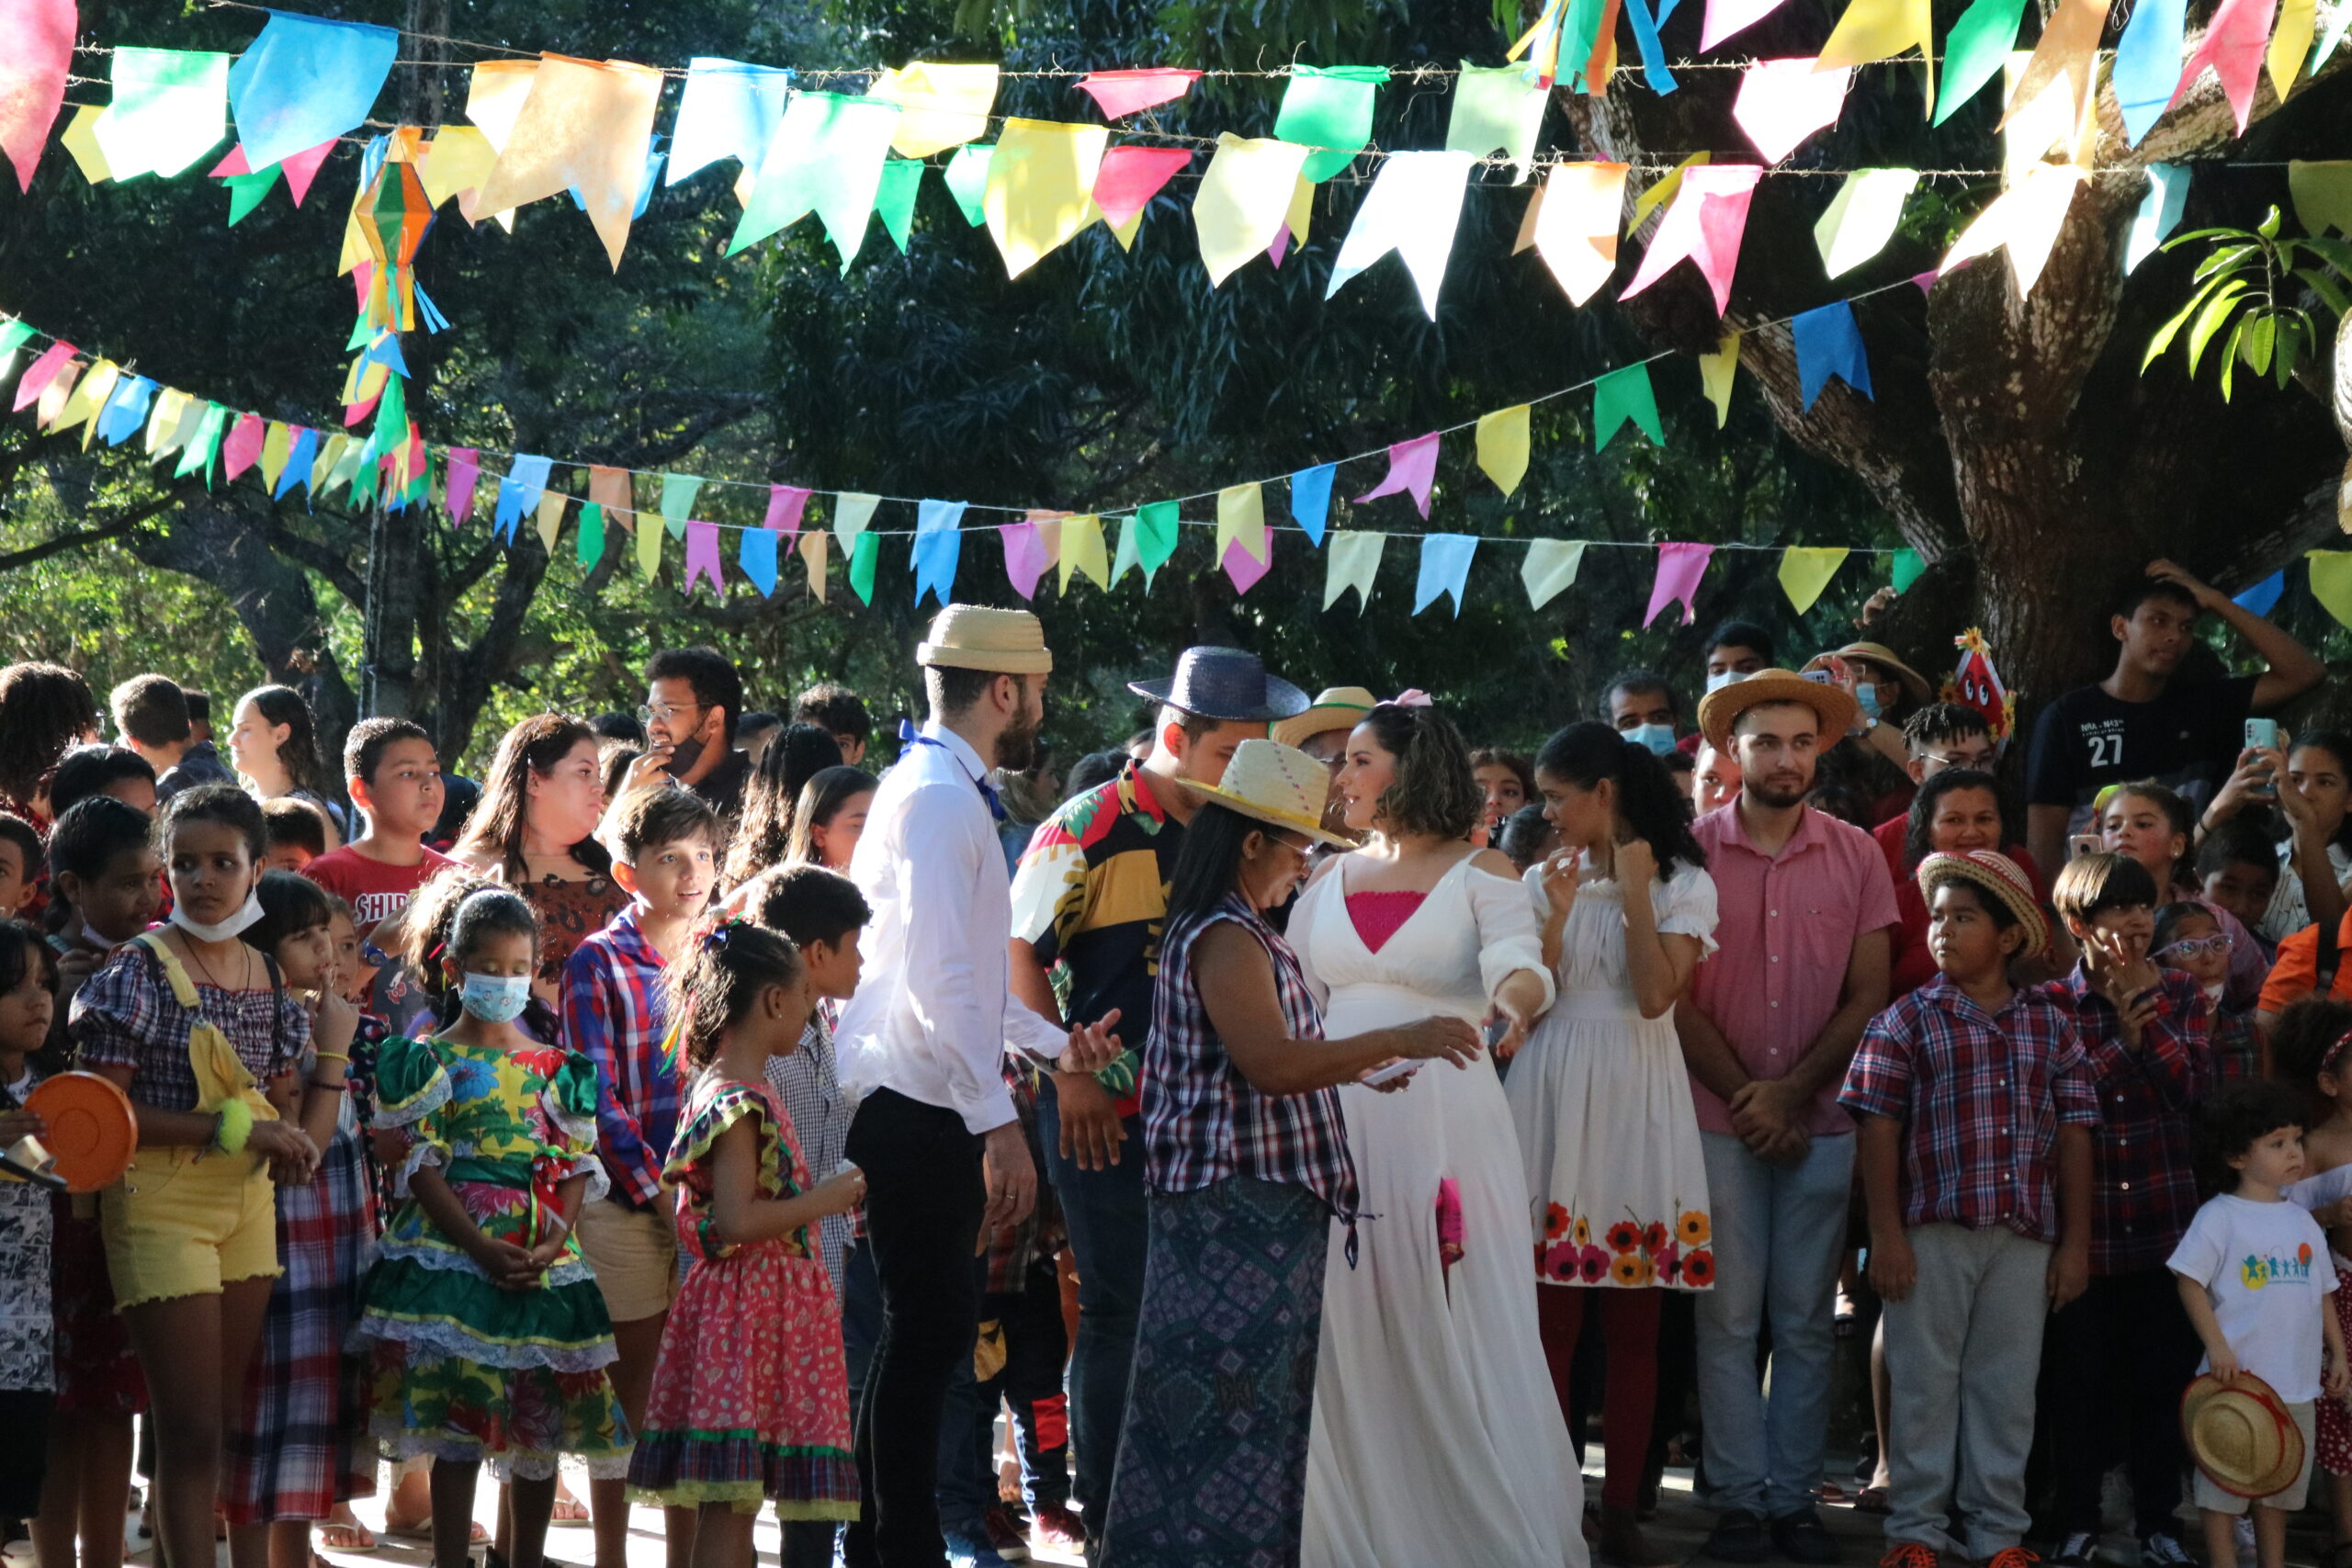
[534, 746]
[44, 709]
[712, 989]
[1434, 790]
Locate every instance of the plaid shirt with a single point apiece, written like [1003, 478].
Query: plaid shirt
[2143, 1186]
[126, 1016]
[612, 1014]
[1202, 1121]
[810, 1092]
[1982, 1097]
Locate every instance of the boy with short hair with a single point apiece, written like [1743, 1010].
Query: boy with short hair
[394, 779]
[2237, 866]
[294, 831]
[22, 861]
[841, 714]
[664, 843]
[150, 715]
[1737, 650]
[2253, 1276]
[1976, 1105]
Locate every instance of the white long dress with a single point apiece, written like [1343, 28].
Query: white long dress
[1616, 1181]
[1436, 1440]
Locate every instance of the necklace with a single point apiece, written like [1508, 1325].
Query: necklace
[206, 969]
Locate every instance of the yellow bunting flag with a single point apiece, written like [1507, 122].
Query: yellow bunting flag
[1243, 198]
[1881, 29]
[81, 138]
[813, 544]
[649, 552]
[1549, 570]
[456, 161]
[1302, 209]
[1082, 551]
[1658, 195]
[2069, 48]
[946, 106]
[2297, 19]
[88, 397]
[329, 455]
[1502, 446]
[1715, 373]
[184, 427]
[582, 127]
[2025, 218]
[2332, 581]
[1861, 216]
[1805, 571]
[1241, 520]
[550, 516]
[2049, 121]
[164, 418]
[277, 445]
[1575, 228]
[1352, 560]
[1040, 187]
[852, 512]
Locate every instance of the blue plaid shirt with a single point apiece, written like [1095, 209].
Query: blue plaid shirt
[612, 1014]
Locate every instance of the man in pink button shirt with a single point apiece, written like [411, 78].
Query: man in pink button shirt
[1807, 919]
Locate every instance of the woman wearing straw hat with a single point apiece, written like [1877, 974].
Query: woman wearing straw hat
[1247, 1161]
[1435, 1333]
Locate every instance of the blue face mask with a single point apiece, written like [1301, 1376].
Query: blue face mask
[496, 998]
[1658, 738]
[1866, 692]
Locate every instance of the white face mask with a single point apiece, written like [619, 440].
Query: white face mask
[104, 944]
[226, 930]
[2213, 992]
[1722, 678]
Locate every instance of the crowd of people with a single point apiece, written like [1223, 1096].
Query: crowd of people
[685, 1103]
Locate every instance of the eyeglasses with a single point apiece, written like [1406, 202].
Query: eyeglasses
[662, 713]
[2197, 946]
[1955, 762]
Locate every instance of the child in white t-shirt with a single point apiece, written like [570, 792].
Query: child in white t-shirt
[2254, 1277]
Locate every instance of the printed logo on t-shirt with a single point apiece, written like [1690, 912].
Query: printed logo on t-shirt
[368, 909]
[2258, 1270]
[2103, 739]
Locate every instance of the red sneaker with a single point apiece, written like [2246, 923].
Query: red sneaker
[1058, 1530]
[1006, 1534]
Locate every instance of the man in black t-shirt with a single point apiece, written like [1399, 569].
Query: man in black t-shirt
[2146, 720]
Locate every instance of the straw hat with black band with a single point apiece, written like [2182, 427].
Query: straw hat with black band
[1720, 708]
[969, 636]
[1335, 707]
[1998, 875]
[1279, 785]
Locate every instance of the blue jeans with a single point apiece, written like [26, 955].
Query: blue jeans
[1777, 1232]
[1108, 1232]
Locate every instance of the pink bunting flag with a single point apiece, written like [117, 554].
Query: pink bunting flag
[362, 275]
[1280, 247]
[1412, 469]
[1726, 17]
[40, 373]
[465, 478]
[1024, 556]
[235, 163]
[36, 54]
[1679, 567]
[702, 558]
[355, 412]
[1781, 102]
[1119, 94]
[242, 447]
[302, 168]
[1131, 176]
[786, 503]
[1702, 227]
[2233, 44]
[1245, 568]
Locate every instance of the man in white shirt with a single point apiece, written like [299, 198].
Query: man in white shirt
[922, 1042]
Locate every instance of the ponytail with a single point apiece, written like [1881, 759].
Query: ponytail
[1585, 753]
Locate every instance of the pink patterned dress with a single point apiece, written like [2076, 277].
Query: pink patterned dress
[750, 1398]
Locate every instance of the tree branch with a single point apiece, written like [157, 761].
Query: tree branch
[114, 529]
[322, 558]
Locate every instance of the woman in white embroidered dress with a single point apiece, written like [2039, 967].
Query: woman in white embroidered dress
[1436, 1438]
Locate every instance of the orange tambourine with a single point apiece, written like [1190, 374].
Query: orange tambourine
[91, 1128]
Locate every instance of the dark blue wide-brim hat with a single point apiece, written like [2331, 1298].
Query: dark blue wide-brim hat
[1227, 684]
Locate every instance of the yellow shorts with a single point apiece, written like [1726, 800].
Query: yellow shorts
[635, 1255]
[177, 1225]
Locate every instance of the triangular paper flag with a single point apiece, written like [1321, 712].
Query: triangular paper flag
[2232, 46]
[464, 478]
[582, 127]
[1679, 567]
[1412, 469]
[89, 396]
[1414, 205]
[1716, 372]
[1550, 568]
[1805, 571]
[1329, 108]
[1310, 499]
[171, 106]
[2159, 212]
[1726, 17]
[2322, 193]
[1155, 532]
[1040, 187]
[648, 551]
[756, 555]
[967, 178]
[2147, 62]
[588, 545]
[1862, 217]
[1130, 176]
[1908, 566]
[126, 411]
[298, 462]
[1119, 94]
[1781, 102]
[1975, 49]
[678, 492]
[36, 56]
[275, 443]
[1024, 557]
[1242, 569]
[456, 161]
[1241, 520]
[40, 372]
[893, 198]
[2069, 48]
[243, 446]
[785, 505]
[862, 557]
[54, 396]
[519, 492]
[1624, 395]
[2336, 31]
[2263, 597]
[1657, 195]
[1242, 199]
[826, 158]
[304, 81]
[852, 512]
[938, 541]
[1703, 227]
[1576, 231]
[1829, 343]
[1445, 568]
[1495, 109]
[81, 138]
[2332, 581]
[946, 105]
[1502, 446]
[729, 110]
[1082, 551]
[609, 489]
[812, 556]
[1352, 560]
[1881, 29]
[163, 418]
[702, 559]
[2025, 218]
[550, 518]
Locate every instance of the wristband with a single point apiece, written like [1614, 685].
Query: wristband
[1119, 1077]
[234, 1127]
[331, 1056]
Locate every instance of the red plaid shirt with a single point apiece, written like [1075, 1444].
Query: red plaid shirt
[1202, 1121]
[2143, 1186]
[614, 1014]
[1982, 1096]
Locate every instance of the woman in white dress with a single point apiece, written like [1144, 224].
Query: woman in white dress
[1436, 1440]
[1617, 1187]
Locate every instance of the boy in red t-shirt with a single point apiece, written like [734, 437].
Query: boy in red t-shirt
[395, 779]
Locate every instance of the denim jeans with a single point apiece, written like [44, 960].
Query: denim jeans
[1108, 1232]
[1777, 1232]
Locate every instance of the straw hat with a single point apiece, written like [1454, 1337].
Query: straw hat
[2241, 1435]
[1914, 685]
[1335, 707]
[2000, 877]
[1268, 782]
[1720, 708]
[1224, 683]
[967, 636]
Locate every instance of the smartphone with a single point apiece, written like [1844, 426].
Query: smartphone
[1396, 1069]
[2261, 734]
[2081, 844]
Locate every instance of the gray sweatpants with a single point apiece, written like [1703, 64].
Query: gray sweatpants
[1963, 1353]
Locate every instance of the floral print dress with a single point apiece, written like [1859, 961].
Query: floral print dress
[460, 1369]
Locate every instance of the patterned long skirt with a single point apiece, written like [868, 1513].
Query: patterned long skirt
[300, 1446]
[1212, 1468]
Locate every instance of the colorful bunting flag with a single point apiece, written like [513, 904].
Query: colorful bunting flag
[852, 512]
[609, 489]
[1703, 227]
[306, 80]
[2025, 218]
[519, 492]
[1781, 102]
[1495, 109]
[1242, 199]
[946, 106]
[550, 519]
[1829, 343]
[812, 556]
[1040, 187]
[42, 372]
[1502, 446]
[1412, 470]
[1805, 571]
[2322, 193]
[893, 198]
[2068, 49]
[1352, 560]
[2263, 597]
[702, 559]
[36, 56]
[1550, 569]
[1979, 41]
[1024, 556]
[1310, 499]
[242, 447]
[967, 177]
[81, 138]
[1622, 395]
[1716, 371]
[862, 557]
[939, 540]
[729, 110]
[678, 493]
[588, 545]
[1329, 108]
[1862, 217]
[1909, 567]
[1119, 94]
[2147, 63]
[171, 106]
[1155, 536]
[1082, 551]
[1726, 17]
[582, 127]
[1679, 567]
[826, 158]
[1445, 568]
[2160, 210]
[1241, 520]
[1882, 29]
[1129, 177]
[2332, 581]
[299, 466]
[1413, 208]
[1244, 570]
[2232, 46]
[787, 504]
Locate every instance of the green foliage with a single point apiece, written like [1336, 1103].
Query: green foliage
[2245, 296]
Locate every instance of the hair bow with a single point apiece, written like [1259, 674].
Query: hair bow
[2335, 1052]
[1411, 698]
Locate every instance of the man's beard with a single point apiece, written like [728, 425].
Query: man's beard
[1016, 747]
[1772, 799]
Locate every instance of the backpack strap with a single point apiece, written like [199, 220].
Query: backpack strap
[2329, 958]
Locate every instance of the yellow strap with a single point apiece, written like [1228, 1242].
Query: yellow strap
[183, 989]
[220, 1073]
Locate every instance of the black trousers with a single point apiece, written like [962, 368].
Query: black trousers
[924, 1197]
[2121, 1357]
[1030, 1383]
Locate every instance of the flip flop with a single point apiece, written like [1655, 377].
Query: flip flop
[422, 1530]
[353, 1528]
[1872, 1500]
